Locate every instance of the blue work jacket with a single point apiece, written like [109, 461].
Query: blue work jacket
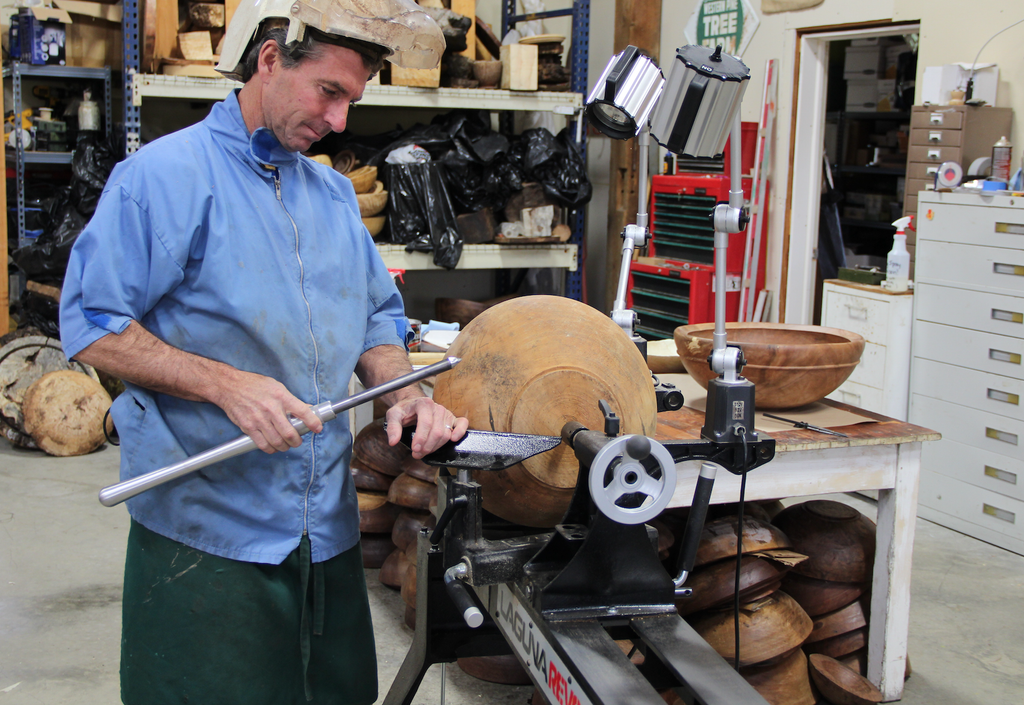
[226, 245]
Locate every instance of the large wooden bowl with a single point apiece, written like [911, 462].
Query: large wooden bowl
[819, 597]
[715, 584]
[768, 628]
[529, 365]
[370, 449]
[839, 541]
[841, 621]
[790, 365]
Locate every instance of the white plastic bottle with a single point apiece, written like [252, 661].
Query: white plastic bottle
[897, 267]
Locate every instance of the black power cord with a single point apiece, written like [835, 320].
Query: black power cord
[739, 548]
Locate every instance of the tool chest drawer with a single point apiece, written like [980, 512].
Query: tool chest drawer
[932, 154]
[974, 310]
[986, 515]
[862, 396]
[980, 429]
[972, 349]
[857, 314]
[935, 137]
[960, 385]
[995, 269]
[981, 468]
[870, 370]
[923, 116]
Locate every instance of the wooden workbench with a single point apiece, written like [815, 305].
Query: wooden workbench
[881, 454]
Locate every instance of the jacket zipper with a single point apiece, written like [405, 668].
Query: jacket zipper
[316, 350]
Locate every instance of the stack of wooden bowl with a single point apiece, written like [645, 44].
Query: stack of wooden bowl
[415, 491]
[370, 193]
[772, 625]
[375, 466]
[831, 585]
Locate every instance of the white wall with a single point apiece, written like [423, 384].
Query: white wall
[949, 32]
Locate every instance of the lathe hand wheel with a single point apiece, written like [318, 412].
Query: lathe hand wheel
[632, 479]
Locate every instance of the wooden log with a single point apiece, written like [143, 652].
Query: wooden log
[206, 15]
[476, 228]
[64, 413]
[519, 67]
[23, 360]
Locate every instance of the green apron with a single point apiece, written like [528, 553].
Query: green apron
[200, 629]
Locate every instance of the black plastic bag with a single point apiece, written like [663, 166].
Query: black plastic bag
[420, 213]
[47, 256]
[555, 163]
[91, 165]
[40, 312]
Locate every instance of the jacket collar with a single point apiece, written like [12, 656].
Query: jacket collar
[260, 149]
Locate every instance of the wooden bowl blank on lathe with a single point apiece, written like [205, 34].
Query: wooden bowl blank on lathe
[529, 365]
[790, 365]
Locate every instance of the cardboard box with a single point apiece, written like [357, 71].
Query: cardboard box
[863, 63]
[862, 95]
[94, 40]
[940, 80]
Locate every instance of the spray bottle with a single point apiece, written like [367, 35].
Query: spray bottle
[897, 269]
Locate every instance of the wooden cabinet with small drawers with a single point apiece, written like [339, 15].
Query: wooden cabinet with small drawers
[949, 133]
[967, 376]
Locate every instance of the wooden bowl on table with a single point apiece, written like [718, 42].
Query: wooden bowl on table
[790, 365]
[839, 541]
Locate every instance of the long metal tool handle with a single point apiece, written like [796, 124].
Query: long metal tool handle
[115, 494]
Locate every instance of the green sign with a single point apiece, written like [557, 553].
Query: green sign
[720, 22]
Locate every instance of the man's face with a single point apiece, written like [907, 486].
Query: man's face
[304, 104]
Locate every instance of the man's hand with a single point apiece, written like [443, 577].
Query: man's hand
[258, 405]
[435, 425]
[261, 408]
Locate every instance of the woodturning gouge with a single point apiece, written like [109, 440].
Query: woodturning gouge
[115, 494]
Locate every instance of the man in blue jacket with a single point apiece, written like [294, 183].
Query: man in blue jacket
[228, 280]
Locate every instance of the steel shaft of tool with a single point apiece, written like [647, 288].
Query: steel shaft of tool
[115, 494]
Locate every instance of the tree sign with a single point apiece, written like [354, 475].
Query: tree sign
[730, 23]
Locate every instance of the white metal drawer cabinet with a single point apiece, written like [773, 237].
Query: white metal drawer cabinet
[978, 429]
[973, 349]
[977, 390]
[981, 468]
[974, 310]
[996, 269]
[992, 225]
[972, 510]
[881, 381]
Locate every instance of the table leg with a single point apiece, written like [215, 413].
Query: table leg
[890, 599]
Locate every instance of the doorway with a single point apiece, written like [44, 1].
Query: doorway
[810, 128]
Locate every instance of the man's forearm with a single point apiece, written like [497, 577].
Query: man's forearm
[383, 364]
[139, 357]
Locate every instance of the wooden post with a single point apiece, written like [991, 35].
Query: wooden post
[166, 39]
[5, 296]
[638, 23]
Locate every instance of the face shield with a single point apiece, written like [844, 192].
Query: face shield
[409, 35]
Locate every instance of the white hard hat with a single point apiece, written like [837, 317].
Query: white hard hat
[409, 36]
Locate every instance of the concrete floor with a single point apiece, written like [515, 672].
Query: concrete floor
[61, 560]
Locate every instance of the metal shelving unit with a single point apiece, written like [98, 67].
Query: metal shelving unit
[19, 72]
[139, 86]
